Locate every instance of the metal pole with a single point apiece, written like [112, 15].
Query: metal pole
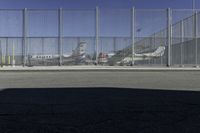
[97, 34]
[7, 53]
[154, 42]
[60, 36]
[193, 5]
[24, 35]
[13, 54]
[182, 41]
[133, 35]
[1, 54]
[196, 40]
[169, 35]
[114, 45]
[43, 62]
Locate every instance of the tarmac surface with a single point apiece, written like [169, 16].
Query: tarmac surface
[172, 80]
[81, 102]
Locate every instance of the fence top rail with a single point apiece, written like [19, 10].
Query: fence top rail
[185, 10]
[137, 9]
[11, 9]
[4, 37]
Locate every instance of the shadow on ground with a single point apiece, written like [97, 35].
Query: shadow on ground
[98, 110]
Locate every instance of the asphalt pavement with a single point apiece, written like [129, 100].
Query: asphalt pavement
[172, 80]
[100, 102]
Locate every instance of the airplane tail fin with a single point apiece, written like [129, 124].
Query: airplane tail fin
[159, 51]
[81, 49]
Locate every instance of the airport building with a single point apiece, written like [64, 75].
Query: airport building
[110, 37]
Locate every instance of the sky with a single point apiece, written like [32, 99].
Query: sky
[186, 4]
[115, 19]
[118, 20]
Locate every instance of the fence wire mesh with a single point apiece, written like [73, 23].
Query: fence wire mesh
[103, 36]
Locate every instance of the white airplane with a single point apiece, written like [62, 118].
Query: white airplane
[110, 55]
[159, 52]
[78, 55]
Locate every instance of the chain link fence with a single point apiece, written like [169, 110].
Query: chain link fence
[138, 37]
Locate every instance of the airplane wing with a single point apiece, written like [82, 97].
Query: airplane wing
[157, 53]
[145, 56]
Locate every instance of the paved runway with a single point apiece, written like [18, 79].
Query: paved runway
[148, 80]
[44, 102]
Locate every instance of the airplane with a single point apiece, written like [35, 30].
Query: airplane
[78, 56]
[104, 57]
[159, 52]
[110, 55]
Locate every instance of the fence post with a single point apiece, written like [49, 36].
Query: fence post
[114, 43]
[154, 43]
[60, 32]
[169, 35]
[24, 36]
[97, 34]
[133, 35]
[182, 41]
[196, 40]
[1, 54]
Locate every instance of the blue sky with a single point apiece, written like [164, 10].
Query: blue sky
[115, 22]
[78, 23]
[101, 3]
